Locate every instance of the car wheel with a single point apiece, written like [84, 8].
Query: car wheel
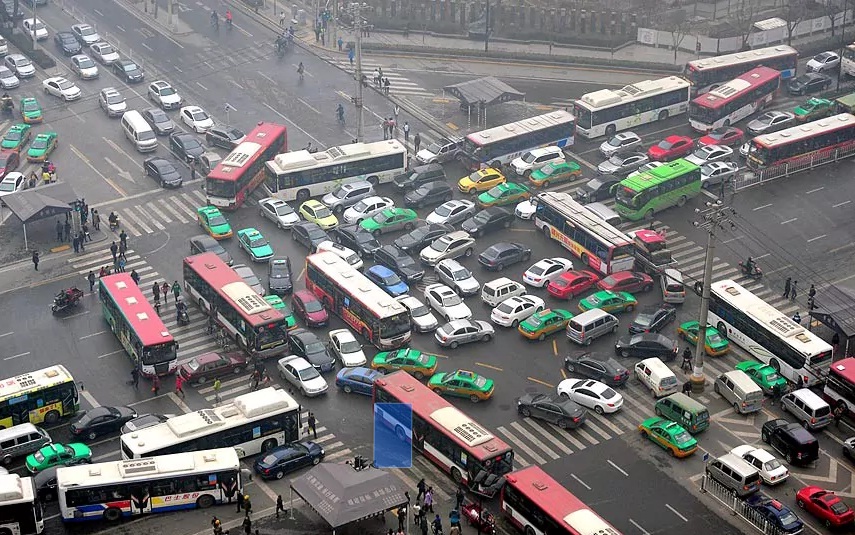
[716, 388]
[647, 288]
[409, 226]
[526, 257]
[347, 389]
[162, 184]
[736, 408]
[599, 409]
[570, 367]
[474, 399]
[624, 353]
[201, 380]
[468, 252]
[91, 435]
[453, 345]
[486, 338]
[316, 460]
[376, 233]
[630, 308]
[500, 267]
[418, 375]
[656, 411]
[789, 458]
[525, 412]
[542, 337]
[562, 424]
[471, 191]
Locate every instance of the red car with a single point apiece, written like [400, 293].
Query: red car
[307, 306]
[571, 284]
[825, 505]
[206, 366]
[671, 148]
[9, 161]
[627, 281]
[723, 135]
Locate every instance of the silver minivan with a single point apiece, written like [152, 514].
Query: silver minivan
[590, 325]
[20, 441]
[809, 409]
[673, 289]
[740, 391]
[734, 473]
[346, 195]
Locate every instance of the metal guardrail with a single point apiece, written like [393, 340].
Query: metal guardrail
[752, 178]
[738, 506]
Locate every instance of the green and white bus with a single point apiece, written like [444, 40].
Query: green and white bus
[643, 195]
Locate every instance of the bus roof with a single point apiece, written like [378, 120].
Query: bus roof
[136, 308]
[432, 407]
[736, 87]
[565, 508]
[579, 215]
[16, 489]
[27, 382]
[748, 56]
[302, 159]
[254, 309]
[532, 124]
[605, 98]
[358, 285]
[797, 133]
[658, 175]
[258, 139]
[845, 368]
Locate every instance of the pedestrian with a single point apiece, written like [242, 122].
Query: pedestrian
[135, 377]
[312, 424]
[58, 231]
[36, 260]
[179, 385]
[393, 127]
[155, 291]
[282, 19]
[176, 291]
[317, 33]
[420, 486]
[123, 237]
[96, 219]
[279, 505]
[687, 388]
[350, 56]
[91, 279]
[217, 386]
[797, 318]
[86, 235]
[406, 132]
[121, 264]
[80, 242]
[686, 366]
[386, 86]
[256, 378]
[114, 249]
[429, 500]
[155, 385]
[838, 414]
[323, 37]
[76, 243]
[247, 525]
[788, 284]
[247, 505]
[164, 290]
[461, 494]
[122, 249]
[402, 517]
[240, 494]
[778, 391]
[340, 44]
[417, 512]
[437, 524]
[217, 526]
[794, 291]
[135, 276]
[454, 518]
[375, 77]
[423, 524]
[157, 308]
[67, 229]
[417, 141]
[380, 76]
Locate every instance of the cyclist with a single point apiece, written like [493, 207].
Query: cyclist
[340, 112]
[215, 19]
[229, 17]
[300, 70]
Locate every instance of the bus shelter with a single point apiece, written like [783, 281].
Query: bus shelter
[44, 202]
[835, 308]
[481, 93]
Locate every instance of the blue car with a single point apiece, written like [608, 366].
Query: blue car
[357, 380]
[775, 513]
[388, 280]
[285, 459]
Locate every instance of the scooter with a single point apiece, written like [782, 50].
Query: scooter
[114, 225]
[755, 273]
[66, 299]
[183, 317]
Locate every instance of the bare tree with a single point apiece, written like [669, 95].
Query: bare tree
[678, 23]
[743, 20]
[831, 10]
[649, 8]
[795, 11]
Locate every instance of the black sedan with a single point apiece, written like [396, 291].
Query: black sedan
[488, 220]
[552, 408]
[67, 43]
[128, 71]
[608, 371]
[653, 319]
[355, 239]
[224, 136]
[163, 172]
[101, 420]
[399, 262]
[309, 235]
[420, 237]
[204, 244]
[597, 189]
[306, 344]
[279, 275]
[501, 255]
[285, 459]
[646, 345]
[435, 192]
[186, 146]
[808, 83]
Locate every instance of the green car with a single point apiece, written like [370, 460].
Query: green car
[390, 219]
[813, 109]
[609, 301]
[669, 435]
[42, 146]
[714, 344]
[410, 360]
[462, 383]
[541, 324]
[253, 242]
[31, 110]
[277, 303]
[58, 455]
[554, 172]
[214, 223]
[766, 377]
[16, 137]
[507, 193]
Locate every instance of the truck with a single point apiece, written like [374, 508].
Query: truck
[652, 255]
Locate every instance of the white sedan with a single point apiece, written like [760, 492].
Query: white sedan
[278, 211]
[513, 310]
[591, 394]
[423, 319]
[447, 302]
[771, 470]
[366, 208]
[345, 253]
[196, 118]
[104, 52]
[345, 347]
[35, 27]
[11, 183]
[546, 270]
[62, 88]
[164, 94]
[297, 371]
[525, 210]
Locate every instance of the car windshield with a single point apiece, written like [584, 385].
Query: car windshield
[615, 141]
[714, 338]
[85, 63]
[682, 437]
[199, 115]
[308, 374]
[701, 154]
[166, 91]
[7, 186]
[475, 177]
[766, 119]
[434, 148]
[193, 364]
[391, 279]
[313, 305]
[451, 300]
[561, 283]
[317, 233]
[482, 217]
[774, 464]
[495, 192]
[39, 457]
[13, 135]
[158, 116]
[106, 49]
[30, 105]
[665, 144]
[39, 143]
[461, 274]
[528, 157]
[616, 160]
[191, 143]
[65, 84]
[535, 320]
[130, 67]
[86, 30]
[419, 310]
[258, 241]
[284, 209]
[279, 270]
[22, 62]
[314, 348]
[361, 206]
[351, 346]
[839, 508]
[443, 210]
[322, 212]
[772, 376]
[115, 98]
[339, 193]
[440, 246]
[644, 320]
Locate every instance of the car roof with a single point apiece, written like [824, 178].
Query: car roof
[450, 263]
[380, 270]
[457, 324]
[207, 357]
[297, 361]
[305, 295]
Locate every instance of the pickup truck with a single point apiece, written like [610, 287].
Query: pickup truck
[651, 251]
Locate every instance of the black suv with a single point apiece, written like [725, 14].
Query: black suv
[419, 175]
[646, 345]
[399, 262]
[608, 371]
[794, 442]
[356, 239]
[487, 220]
[308, 234]
[435, 192]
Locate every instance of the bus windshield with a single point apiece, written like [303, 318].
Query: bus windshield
[159, 353]
[219, 188]
[395, 326]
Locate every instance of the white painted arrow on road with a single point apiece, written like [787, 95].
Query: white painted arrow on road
[119, 171]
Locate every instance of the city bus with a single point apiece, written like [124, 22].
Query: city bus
[604, 112]
[461, 447]
[535, 503]
[597, 243]
[137, 326]
[847, 62]
[829, 137]
[709, 73]
[252, 423]
[42, 396]
[236, 176]
[301, 174]
[671, 184]
[123, 489]
[257, 327]
[768, 334]
[840, 385]
[363, 305]
[20, 510]
[499, 145]
[734, 101]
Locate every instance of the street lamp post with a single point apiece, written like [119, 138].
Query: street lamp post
[842, 43]
[356, 10]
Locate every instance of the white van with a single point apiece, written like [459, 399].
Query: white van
[588, 326]
[604, 212]
[673, 289]
[21, 440]
[138, 131]
[496, 291]
[808, 408]
[655, 375]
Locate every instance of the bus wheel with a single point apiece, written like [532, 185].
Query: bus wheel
[303, 196]
[610, 130]
[649, 215]
[546, 231]
[51, 417]
[268, 445]
[112, 514]
[726, 123]
[204, 501]
[663, 115]
[722, 330]
[529, 530]
[775, 364]
[456, 475]
[365, 334]
[545, 184]
[681, 201]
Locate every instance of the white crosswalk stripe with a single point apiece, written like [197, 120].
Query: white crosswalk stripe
[160, 214]
[398, 84]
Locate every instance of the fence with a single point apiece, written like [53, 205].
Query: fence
[738, 506]
[753, 178]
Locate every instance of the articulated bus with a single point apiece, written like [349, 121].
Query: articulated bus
[840, 385]
[768, 335]
[734, 101]
[229, 184]
[20, 510]
[604, 112]
[671, 184]
[825, 137]
[42, 396]
[709, 73]
[137, 326]
[123, 489]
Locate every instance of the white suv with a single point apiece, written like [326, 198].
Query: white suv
[535, 159]
[112, 102]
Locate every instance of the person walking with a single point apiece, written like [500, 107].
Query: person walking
[135, 378]
[279, 505]
[417, 142]
[67, 229]
[122, 250]
[350, 55]
[461, 494]
[402, 517]
[838, 414]
[788, 284]
[58, 231]
[423, 525]
[247, 525]
[687, 388]
[164, 291]
[239, 502]
[176, 291]
[421, 486]
[75, 242]
[282, 19]
[36, 260]
[155, 385]
[686, 366]
[122, 262]
[179, 385]
[794, 291]
[247, 505]
[386, 86]
[86, 235]
[114, 249]
[123, 237]
[155, 291]
[312, 424]
[91, 279]
[437, 524]
[406, 132]
[217, 386]
[340, 44]
[135, 276]
[212, 321]
[429, 500]
[96, 219]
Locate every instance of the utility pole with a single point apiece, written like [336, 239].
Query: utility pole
[842, 44]
[487, 28]
[712, 219]
[356, 10]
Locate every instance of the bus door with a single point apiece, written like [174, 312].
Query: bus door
[20, 409]
[140, 499]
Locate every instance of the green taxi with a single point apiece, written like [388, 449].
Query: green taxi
[554, 172]
[413, 361]
[813, 109]
[42, 146]
[31, 110]
[58, 455]
[255, 244]
[766, 377]
[214, 222]
[669, 435]
[714, 344]
[278, 304]
[389, 220]
[609, 301]
[507, 193]
[16, 137]
[464, 384]
[541, 324]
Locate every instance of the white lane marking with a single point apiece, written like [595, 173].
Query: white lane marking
[761, 207]
[202, 86]
[821, 236]
[295, 125]
[17, 356]
[151, 206]
[105, 355]
[676, 512]
[172, 210]
[7, 334]
[90, 398]
[574, 476]
[815, 190]
[120, 28]
[99, 333]
[306, 104]
[616, 467]
[148, 47]
[522, 445]
[641, 529]
[789, 220]
[538, 443]
[838, 205]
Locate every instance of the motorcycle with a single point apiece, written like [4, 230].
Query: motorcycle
[66, 299]
[114, 225]
[183, 316]
[481, 519]
[8, 106]
[756, 273]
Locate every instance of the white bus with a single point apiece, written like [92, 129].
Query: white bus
[20, 510]
[847, 62]
[604, 112]
[117, 489]
[708, 73]
[252, 423]
[768, 334]
[301, 174]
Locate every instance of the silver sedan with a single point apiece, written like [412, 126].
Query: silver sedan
[457, 332]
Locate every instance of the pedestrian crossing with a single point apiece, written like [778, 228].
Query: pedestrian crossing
[398, 83]
[159, 214]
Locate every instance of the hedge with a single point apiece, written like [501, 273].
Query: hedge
[24, 43]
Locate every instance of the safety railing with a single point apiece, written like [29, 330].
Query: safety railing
[749, 177]
[738, 506]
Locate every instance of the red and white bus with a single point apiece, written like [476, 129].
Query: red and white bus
[813, 140]
[137, 326]
[257, 327]
[709, 73]
[362, 304]
[535, 503]
[840, 385]
[461, 447]
[229, 184]
[737, 99]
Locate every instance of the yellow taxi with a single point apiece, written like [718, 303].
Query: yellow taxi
[481, 180]
[318, 213]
